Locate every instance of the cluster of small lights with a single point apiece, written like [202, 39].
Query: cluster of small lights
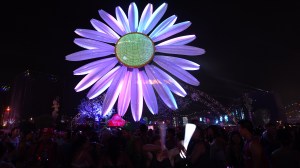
[291, 105]
[238, 110]
[4, 88]
[292, 112]
[196, 96]
[91, 108]
[223, 119]
[292, 108]
[213, 110]
[29, 73]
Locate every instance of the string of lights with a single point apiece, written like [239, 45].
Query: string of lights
[195, 103]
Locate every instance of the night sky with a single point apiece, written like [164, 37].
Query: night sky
[249, 46]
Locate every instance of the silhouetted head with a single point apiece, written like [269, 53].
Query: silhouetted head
[245, 127]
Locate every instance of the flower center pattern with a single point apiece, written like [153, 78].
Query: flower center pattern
[134, 50]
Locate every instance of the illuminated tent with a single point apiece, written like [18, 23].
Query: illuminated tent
[116, 121]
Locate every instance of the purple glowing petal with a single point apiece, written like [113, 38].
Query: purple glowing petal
[113, 91]
[92, 77]
[182, 63]
[170, 31]
[173, 85]
[145, 17]
[102, 84]
[136, 95]
[161, 88]
[148, 93]
[122, 18]
[95, 35]
[101, 27]
[112, 22]
[166, 23]
[180, 50]
[85, 69]
[155, 17]
[133, 17]
[182, 40]
[93, 44]
[125, 94]
[177, 71]
[88, 54]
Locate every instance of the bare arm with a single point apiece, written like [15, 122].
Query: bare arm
[257, 154]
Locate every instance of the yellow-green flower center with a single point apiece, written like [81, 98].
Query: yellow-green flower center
[134, 50]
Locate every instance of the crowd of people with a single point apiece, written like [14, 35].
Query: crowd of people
[211, 146]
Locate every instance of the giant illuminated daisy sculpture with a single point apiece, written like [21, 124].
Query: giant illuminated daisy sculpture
[130, 65]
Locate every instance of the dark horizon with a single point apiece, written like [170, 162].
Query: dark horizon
[33, 93]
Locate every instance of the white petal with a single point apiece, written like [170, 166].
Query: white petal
[113, 91]
[85, 69]
[173, 85]
[177, 71]
[161, 88]
[102, 27]
[112, 22]
[182, 63]
[155, 17]
[125, 94]
[182, 40]
[93, 44]
[92, 77]
[136, 95]
[88, 54]
[170, 31]
[95, 35]
[122, 18]
[165, 24]
[148, 93]
[133, 17]
[180, 50]
[145, 17]
[102, 84]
